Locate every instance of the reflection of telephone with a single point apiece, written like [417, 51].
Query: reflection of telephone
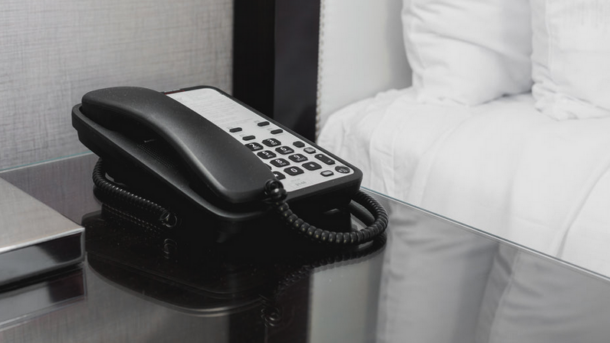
[243, 284]
[199, 151]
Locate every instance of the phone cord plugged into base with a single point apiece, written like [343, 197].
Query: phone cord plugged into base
[276, 195]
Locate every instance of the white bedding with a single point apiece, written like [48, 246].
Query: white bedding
[501, 167]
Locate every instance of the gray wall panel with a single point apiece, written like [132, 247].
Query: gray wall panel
[52, 52]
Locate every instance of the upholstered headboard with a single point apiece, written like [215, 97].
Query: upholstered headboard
[53, 52]
[361, 52]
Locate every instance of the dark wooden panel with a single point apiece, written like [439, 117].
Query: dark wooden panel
[253, 53]
[276, 60]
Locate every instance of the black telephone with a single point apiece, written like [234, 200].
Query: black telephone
[198, 152]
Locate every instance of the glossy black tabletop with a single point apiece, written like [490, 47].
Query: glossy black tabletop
[432, 280]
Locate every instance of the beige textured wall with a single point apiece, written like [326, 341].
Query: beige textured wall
[54, 51]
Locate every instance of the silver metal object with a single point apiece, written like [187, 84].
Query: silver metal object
[34, 238]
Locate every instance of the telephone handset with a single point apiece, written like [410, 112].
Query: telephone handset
[201, 150]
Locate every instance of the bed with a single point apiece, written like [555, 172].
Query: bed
[501, 166]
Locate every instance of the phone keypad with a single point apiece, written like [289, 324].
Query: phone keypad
[266, 154]
[297, 158]
[271, 142]
[293, 166]
[280, 162]
[311, 166]
[254, 146]
[293, 171]
[298, 164]
[284, 150]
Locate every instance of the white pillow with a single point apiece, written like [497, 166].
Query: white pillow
[468, 51]
[571, 60]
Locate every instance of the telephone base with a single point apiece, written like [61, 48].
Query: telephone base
[204, 244]
[133, 197]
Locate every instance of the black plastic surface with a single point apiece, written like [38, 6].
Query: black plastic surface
[275, 60]
[225, 166]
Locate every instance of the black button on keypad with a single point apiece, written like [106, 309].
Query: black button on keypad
[280, 162]
[284, 150]
[311, 166]
[235, 129]
[248, 138]
[276, 131]
[254, 146]
[266, 154]
[342, 169]
[297, 158]
[293, 171]
[327, 173]
[298, 144]
[309, 150]
[325, 159]
[271, 142]
[263, 123]
[279, 175]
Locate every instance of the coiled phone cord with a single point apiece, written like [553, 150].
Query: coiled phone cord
[276, 195]
[275, 192]
[106, 190]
